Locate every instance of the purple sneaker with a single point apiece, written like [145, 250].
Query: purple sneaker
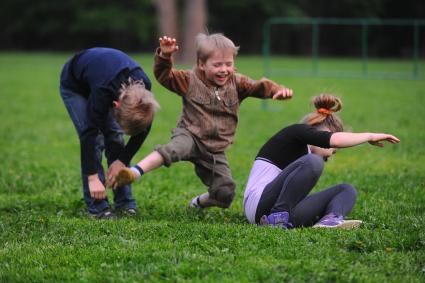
[333, 221]
[277, 219]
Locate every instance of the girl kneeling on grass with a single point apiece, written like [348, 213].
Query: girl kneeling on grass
[289, 165]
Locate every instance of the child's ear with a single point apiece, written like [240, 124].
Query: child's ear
[201, 65]
[116, 104]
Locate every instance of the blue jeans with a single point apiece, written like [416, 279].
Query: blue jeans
[112, 142]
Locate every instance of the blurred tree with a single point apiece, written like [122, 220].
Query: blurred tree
[133, 25]
[195, 15]
[167, 17]
[195, 18]
[77, 24]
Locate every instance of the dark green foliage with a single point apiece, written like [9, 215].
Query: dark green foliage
[132, 24]
[76, 24]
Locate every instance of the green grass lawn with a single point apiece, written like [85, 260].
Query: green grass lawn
[46, 236]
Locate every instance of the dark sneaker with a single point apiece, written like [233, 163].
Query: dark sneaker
[129, 211]
[333, 221]
[105, 214]
[125, 211]
[277, 219]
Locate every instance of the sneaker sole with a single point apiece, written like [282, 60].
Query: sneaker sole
[104, 216]
[346, 224]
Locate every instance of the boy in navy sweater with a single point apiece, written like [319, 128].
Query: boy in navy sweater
[107, 94]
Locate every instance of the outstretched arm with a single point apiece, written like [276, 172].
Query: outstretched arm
[168, 46]
[175, 80]
[263, 88]
[344, 139]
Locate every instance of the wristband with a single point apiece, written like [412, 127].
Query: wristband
[138, 168]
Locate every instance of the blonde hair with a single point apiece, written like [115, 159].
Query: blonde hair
[326, 105]
[136, 107]
[207, 44]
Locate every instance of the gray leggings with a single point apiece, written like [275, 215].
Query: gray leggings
[289, 190]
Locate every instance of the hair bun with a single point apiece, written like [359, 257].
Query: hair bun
[327, 103]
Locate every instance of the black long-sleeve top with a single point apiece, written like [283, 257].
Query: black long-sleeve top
[291, 142]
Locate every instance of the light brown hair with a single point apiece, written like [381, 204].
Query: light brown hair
[206, 45]
[326, 105]
[135, 108]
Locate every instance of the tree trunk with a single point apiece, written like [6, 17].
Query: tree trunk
[167, 17]
[195, 15]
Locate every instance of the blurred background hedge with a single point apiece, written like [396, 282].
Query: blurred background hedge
[133, 25]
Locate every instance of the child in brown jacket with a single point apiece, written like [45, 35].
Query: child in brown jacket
[211, 95]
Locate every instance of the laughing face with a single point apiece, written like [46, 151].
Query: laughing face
[218, 68]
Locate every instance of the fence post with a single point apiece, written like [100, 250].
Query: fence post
[315, 45]
[416, 49]
[266, 55]
[365, 24]
[364, 47]
[266, 48]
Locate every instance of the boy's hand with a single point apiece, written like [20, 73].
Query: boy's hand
[97, 190]
[113, 170]
[168, 46]
[283, 93]
[377, 139]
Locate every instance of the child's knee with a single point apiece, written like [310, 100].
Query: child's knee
[349, 189]
[179, 148]
[171, 154]
[315, 162]
[224, 194]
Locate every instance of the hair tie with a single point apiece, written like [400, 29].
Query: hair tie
[324, 111]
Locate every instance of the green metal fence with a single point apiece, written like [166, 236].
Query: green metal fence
[365, 24]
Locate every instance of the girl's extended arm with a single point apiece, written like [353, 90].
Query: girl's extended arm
[344, 139]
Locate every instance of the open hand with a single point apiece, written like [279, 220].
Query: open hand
[377, 139]
[113, 170]
[283, 93]
[168, 46]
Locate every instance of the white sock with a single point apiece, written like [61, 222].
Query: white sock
[136, 172]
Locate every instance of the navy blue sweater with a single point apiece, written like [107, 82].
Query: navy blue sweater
[98, 74]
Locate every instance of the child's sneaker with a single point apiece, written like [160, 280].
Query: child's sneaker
[129, 212]
[333, 221]
[277, 219]
[105, 214]
[125, 176]
[195, 203]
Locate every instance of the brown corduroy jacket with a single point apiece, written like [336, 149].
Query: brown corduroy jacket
[209, 112]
